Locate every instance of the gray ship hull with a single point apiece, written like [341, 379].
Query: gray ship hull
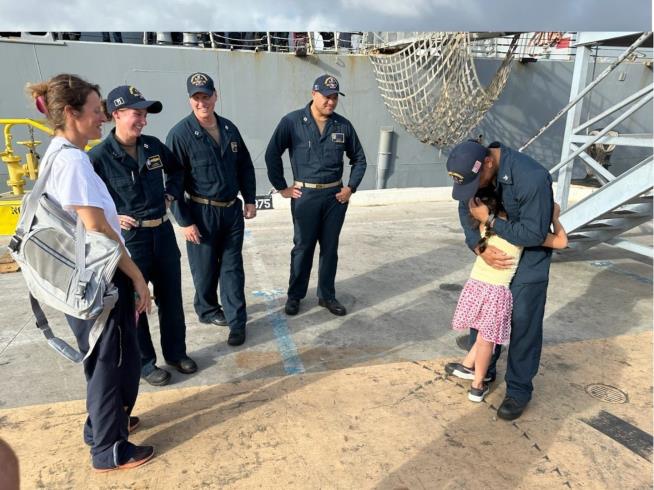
[257, 89]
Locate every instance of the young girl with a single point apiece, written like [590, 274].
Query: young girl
[486, 302]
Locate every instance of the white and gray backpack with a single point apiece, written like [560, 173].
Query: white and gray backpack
[65, 266]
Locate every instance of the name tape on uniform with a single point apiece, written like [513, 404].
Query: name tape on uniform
[153, 162]
[338, 137]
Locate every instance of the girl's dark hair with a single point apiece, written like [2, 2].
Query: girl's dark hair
[489, 197]
[60, 91]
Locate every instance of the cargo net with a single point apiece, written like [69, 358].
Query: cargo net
[431, 86]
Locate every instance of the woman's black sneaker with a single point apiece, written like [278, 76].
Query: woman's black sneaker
[140, 455]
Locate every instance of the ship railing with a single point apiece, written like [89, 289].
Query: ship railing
[494, 45]
[284, 42]
[533, 46]
[287, 42]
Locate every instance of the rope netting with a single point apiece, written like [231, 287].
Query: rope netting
[431, 86]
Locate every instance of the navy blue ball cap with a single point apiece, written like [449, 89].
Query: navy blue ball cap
[128, 97]
[464, 164]
[326, 85]
[199, 82]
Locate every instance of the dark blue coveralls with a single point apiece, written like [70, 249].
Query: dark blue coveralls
[317, 215]
[112, 378]
[525, 188]
[215, 173]
[138, 189]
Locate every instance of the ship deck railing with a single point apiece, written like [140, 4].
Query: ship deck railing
[533, 46]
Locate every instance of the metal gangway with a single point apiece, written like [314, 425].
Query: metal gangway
[622, 202]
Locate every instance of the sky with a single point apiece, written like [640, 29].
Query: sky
[340, 15]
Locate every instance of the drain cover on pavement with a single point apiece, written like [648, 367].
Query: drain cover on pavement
[450, 287]
[606, 393]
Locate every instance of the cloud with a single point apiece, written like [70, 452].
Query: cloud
[394, 9]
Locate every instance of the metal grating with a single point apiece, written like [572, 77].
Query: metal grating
[607, 393]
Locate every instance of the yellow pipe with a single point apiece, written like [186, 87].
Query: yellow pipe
[40, 125]
[29, 122]
[8, 123]
[16, 170]
[31, 165]
[16, 173]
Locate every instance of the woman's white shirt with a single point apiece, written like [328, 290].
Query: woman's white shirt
[73, 182]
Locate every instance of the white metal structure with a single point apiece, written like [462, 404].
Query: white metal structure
[622, 202]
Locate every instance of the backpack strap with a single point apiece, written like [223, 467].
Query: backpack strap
[84, 276]
[28, 211]
[31, 201]
[63, 347]
[109, 301]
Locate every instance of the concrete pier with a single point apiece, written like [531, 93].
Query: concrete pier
[361, 401]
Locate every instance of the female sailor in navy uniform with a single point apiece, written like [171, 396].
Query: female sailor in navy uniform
[143, 177]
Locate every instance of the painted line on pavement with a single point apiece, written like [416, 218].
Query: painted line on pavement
[287, 349]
